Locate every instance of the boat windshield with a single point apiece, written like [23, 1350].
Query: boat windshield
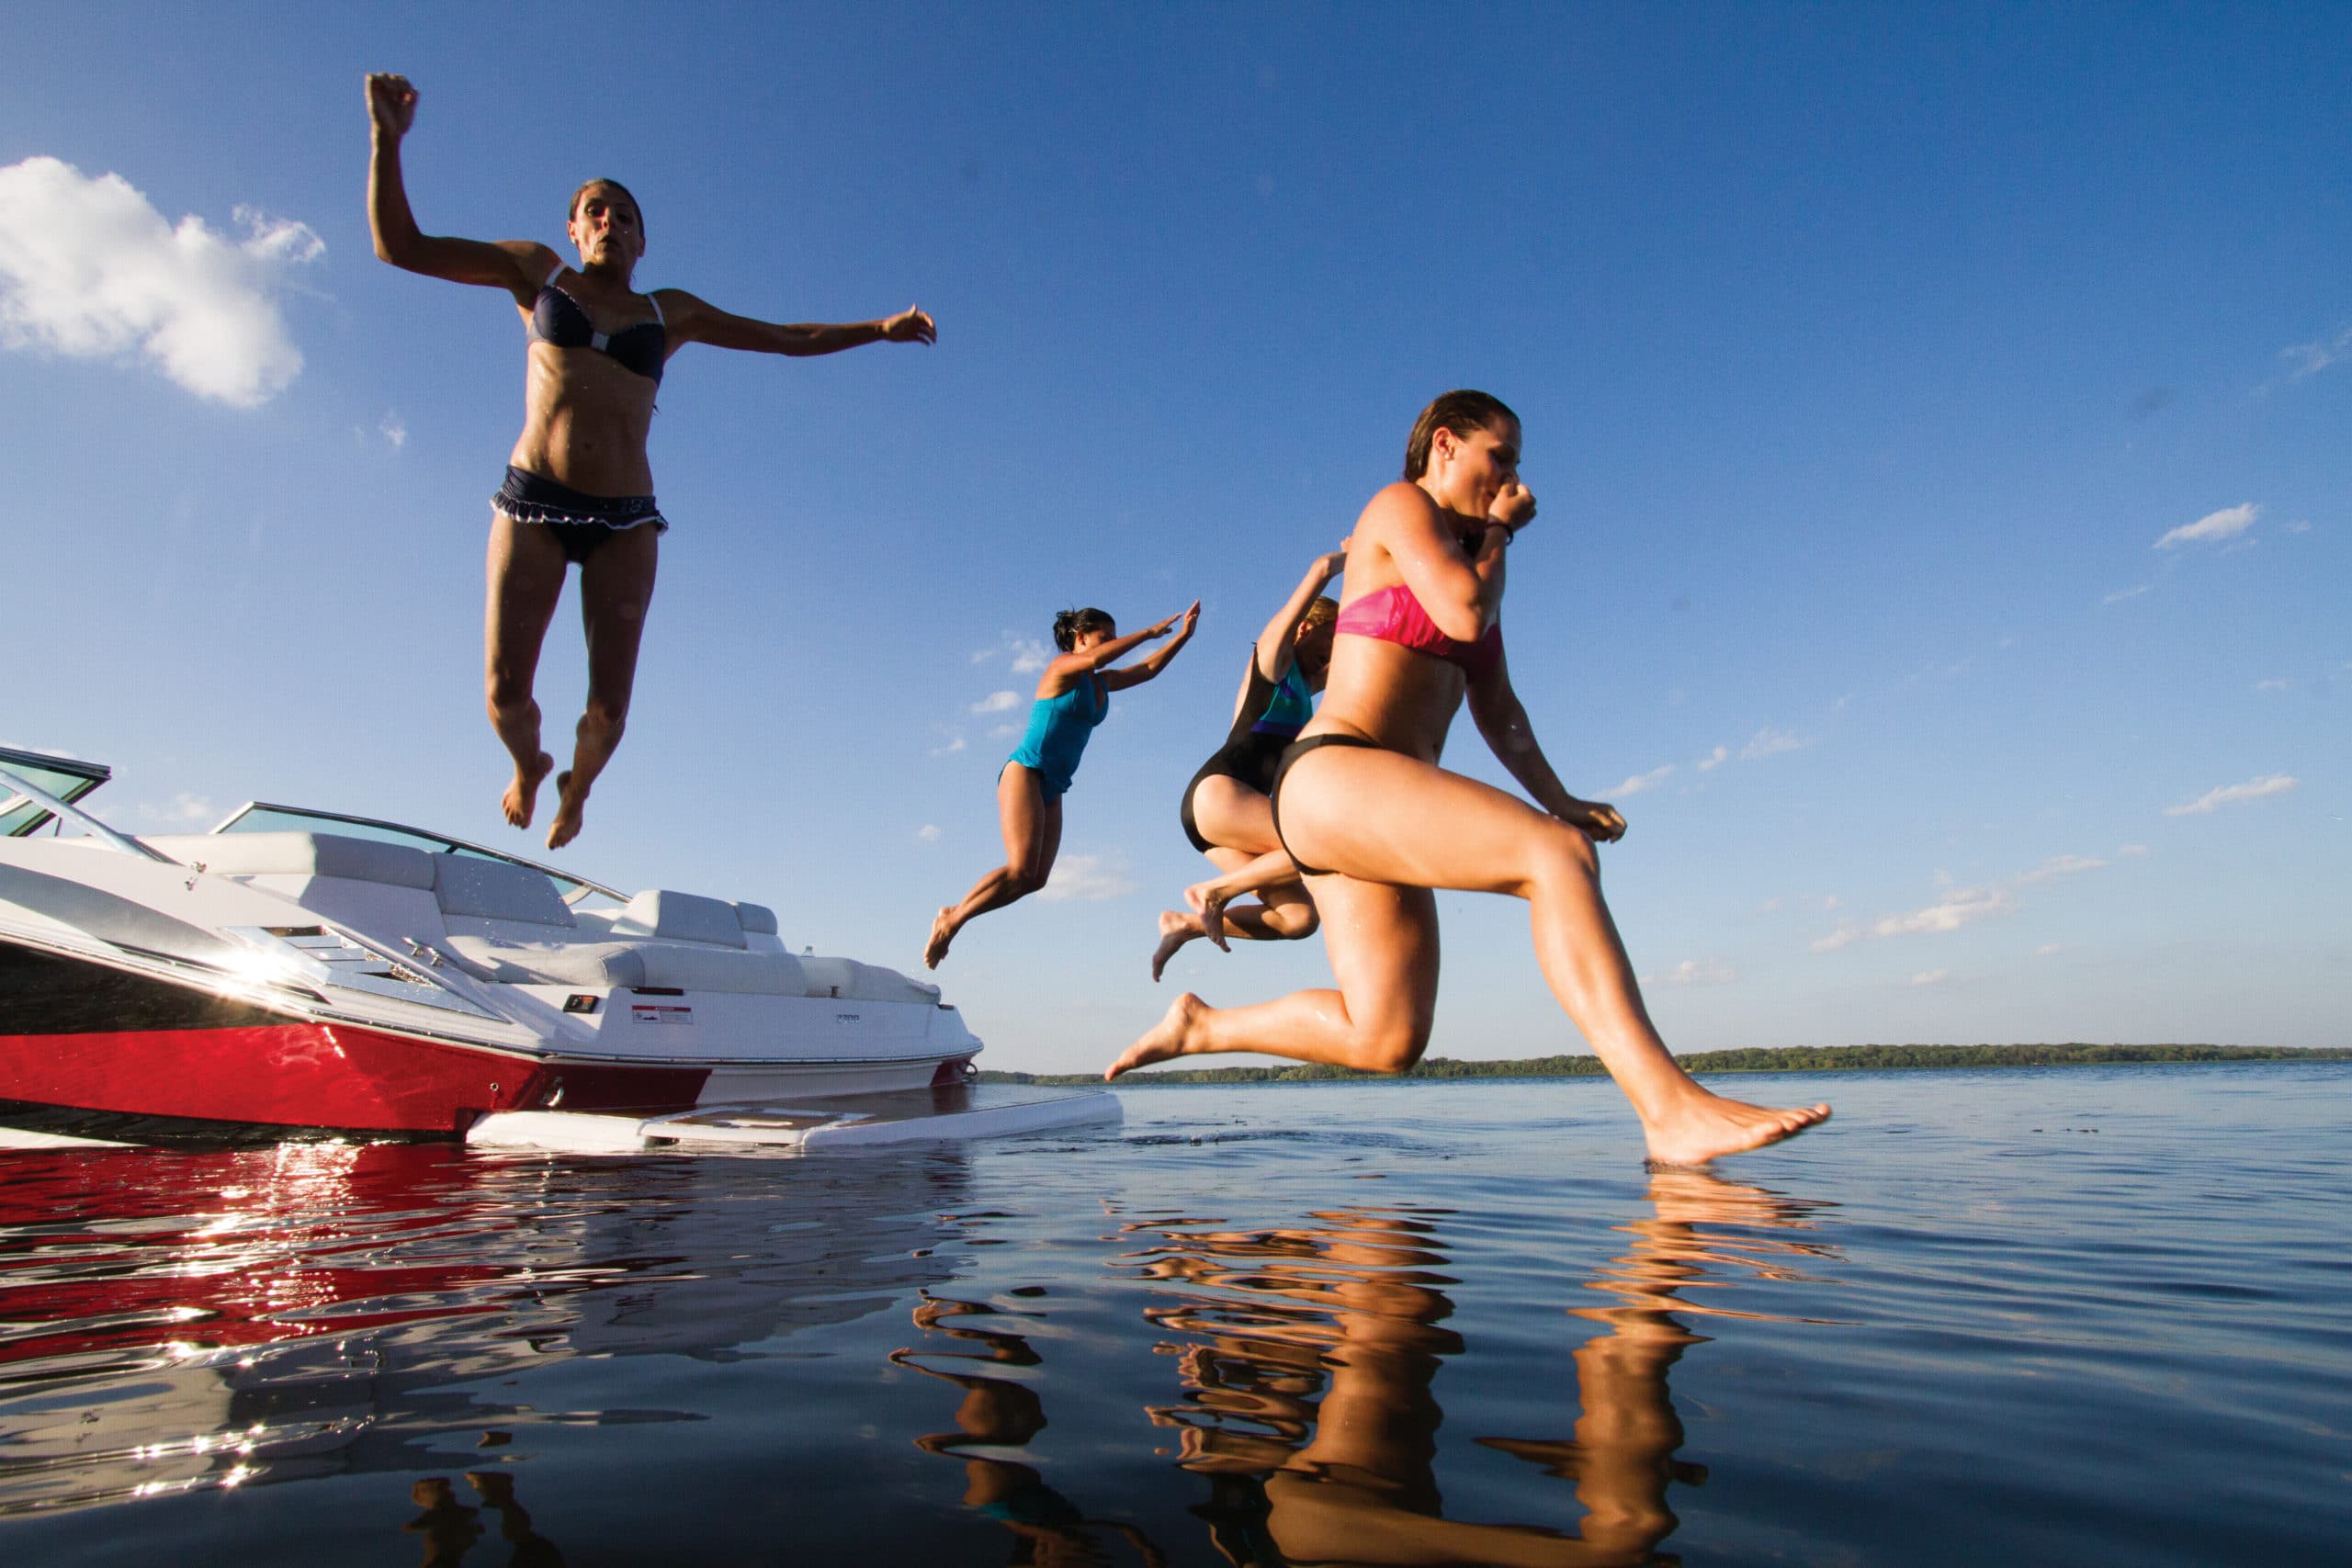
[259, 817]
[65, 777]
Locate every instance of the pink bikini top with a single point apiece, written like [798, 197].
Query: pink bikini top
[1394, 615]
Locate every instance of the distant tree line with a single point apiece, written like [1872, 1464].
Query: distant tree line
[1773, 1059]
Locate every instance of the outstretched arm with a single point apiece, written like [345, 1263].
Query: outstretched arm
[691, 320]
[1064, 669]
[1278, 644]
[519, 266]
[1502, 719]
[1151, 665]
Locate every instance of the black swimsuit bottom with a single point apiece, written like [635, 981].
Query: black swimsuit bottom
[1297, 750]
[579, 522]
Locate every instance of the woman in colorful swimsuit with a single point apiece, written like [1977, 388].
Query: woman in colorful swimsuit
[1073, 696]
[579, 488]
[1375, 824]
[1225, 813]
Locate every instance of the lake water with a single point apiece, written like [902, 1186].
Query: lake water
[2063, 1315]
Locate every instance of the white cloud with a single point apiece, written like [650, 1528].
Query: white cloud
[999, 731]
[928, 832]
[2137, 852]
[1087, 879]
[2227, 524]
[1931, 977]
[2270, 685]
[1767, 742]
[185, 809]
[1639, 783]
[1028, 654]
[1693, 971]
[2252, 789]
[1714, 759]
[2310, 358]
[1845, 935]
[90, 270]
[394, 430]
[2047, 948]
[1956, 908]
[2300, 526]
[2121, 594]
[997, 702]
[953, 744]
[2061, 865]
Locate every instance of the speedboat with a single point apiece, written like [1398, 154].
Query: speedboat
[299, 973]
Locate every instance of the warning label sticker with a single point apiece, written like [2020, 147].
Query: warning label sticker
[651, 1012]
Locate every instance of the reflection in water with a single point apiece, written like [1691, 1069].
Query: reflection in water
[997, 1412]
[177, 1321]
[450, 1528]
[1351, 1309]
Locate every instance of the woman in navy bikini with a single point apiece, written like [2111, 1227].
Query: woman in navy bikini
[1073, 696]
[579, 488]
[1375, 824]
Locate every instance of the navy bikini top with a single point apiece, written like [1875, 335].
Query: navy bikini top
[557, 317]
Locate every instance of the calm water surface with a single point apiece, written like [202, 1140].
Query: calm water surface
[2076, 1315]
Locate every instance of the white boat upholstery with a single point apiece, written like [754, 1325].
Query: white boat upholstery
[717, 969]
[757, 919]
[470, 886]
[682, 917]
[595, 964]
[303, 854]
[847, 978]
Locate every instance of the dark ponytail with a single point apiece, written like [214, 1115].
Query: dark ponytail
[1070, 623]
[1461, 412]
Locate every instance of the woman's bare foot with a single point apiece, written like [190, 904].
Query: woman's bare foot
[569, 811]
[1167, 1039]
[522, 796]
[1175, 931]
[1208, 900]
[941, 934]
[1710, 1125]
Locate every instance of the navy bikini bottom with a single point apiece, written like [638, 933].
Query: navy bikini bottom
[579, 522]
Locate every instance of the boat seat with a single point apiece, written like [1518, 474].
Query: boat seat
[719, 969]
[847, 978]
[757, 919]
[303, 854]
[468, 886]
[596, 964]
[682, 916]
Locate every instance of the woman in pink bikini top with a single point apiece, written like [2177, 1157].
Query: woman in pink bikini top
[1363, 809]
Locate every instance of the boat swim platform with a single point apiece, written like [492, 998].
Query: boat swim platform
[860, 1121]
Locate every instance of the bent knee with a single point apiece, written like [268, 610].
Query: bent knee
[1393, 1049]
[604, 713]
[1569, 851]
[1295, 927]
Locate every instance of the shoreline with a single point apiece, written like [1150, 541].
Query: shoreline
[1771, 1059]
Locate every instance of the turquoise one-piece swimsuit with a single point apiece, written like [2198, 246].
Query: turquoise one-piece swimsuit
[1058, 730]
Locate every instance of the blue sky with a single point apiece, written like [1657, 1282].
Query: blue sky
[1942, 422]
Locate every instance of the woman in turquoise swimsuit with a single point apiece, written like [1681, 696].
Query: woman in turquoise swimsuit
[578, 487]
[1376, 826]
[1073, 696]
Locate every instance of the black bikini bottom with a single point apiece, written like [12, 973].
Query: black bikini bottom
[1290, 758]
[579, 522]
[1249, 761]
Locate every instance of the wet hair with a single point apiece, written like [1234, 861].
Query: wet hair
[1323, 611]
[1070, 624]
[1462, 412]
[634, 206]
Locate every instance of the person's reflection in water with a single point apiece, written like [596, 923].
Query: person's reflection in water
[450, 1528]
[996, 1412]
[1352, 1307]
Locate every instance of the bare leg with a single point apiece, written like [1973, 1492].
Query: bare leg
[1239, 822]
[525, 576]
[1403, 826]
[615, 591]
[1032, 826]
